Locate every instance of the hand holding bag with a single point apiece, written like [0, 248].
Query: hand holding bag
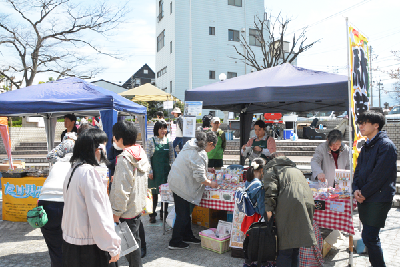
[128, 242]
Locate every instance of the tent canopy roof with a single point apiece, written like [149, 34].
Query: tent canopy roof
[148, 92]
[65, 96]
[284, 88]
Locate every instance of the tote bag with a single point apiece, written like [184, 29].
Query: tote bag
[148, 209]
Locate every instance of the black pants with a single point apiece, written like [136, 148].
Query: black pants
[183, 224]
[142, 235]
[134, 258]
[84, 256]
[155, 202]
[52, 232]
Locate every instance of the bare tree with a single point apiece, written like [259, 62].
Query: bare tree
[270, 39]
[54, 36]
[395, 74]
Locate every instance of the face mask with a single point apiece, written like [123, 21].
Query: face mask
[116, 146]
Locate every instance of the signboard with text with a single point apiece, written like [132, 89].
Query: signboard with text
[19, 196]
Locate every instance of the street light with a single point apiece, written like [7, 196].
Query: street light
[222, 77]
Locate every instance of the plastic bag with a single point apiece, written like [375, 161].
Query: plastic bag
[171, 217]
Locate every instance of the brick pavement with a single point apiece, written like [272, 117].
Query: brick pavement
[21, 246]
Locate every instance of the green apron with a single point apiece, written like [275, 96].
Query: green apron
[217, 152]
[160, 166]
[262, 144]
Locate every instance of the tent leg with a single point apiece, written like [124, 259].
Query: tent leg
[351, 251]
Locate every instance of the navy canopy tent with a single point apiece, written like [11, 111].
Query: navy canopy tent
[70, 95]
[281, 89]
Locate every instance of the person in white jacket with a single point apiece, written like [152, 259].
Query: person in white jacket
[87, 223]
[51, 195]
[187, 181]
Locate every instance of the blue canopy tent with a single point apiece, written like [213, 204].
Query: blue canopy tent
[70, 95]
[281, 89]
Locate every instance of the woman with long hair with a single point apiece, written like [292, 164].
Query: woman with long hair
[87, 224]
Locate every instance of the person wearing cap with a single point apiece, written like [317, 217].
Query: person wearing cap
[179, 128]
[215, 156]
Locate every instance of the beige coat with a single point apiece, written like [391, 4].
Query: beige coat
[129, 188]
[323, 162]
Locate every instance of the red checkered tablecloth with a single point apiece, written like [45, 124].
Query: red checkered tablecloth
[335, 220]
[217, 204]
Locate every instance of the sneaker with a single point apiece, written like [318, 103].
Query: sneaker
[182, 245]
[193, 240]
[152, 219]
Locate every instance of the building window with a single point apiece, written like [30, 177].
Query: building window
[160, 10]
[161, 72]
[235, 2]
[160, 40]
[170, 87]
[170, 8]
[231, 74]
[211, 30]
[146, 71]
[254, 37]
[211, 74]
[233, 35]
[170, 47]
[137, 82]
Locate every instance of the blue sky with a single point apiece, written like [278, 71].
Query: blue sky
[378, 20]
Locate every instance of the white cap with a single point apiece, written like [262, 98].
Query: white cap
[215, 119]
[176, 110]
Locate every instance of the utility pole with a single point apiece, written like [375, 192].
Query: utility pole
[370, 76]
[379, 86]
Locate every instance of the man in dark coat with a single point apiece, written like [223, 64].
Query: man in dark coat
[374, 182]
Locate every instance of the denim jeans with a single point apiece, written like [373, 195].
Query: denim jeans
[183, 224]
[134, 258]
[288, 258]
[370, 236]
[177, 142]
[52, 232]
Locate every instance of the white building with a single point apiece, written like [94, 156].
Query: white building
[195, 41]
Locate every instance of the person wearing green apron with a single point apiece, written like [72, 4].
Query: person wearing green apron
[216, 156]
[260, 146]
[160, 153]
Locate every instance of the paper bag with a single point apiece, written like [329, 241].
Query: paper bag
[128, 242]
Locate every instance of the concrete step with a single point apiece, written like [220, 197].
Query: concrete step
[295, 153]
[31, 148]
[296, 148]
[396, 201]
[30, 152]
[232, 152]
[36, 144]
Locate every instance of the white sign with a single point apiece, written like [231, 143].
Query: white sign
[193, 108]
[189, 126]
[168, 104]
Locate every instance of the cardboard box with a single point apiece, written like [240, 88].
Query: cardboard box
[325, 248]
[207, 217]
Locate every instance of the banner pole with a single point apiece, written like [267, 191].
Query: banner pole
[350, 115]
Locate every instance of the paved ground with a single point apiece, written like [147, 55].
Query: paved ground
[20, 245]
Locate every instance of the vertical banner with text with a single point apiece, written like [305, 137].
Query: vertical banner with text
[360, 85]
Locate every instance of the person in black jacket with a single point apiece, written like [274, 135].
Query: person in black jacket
[69, 123]
[374, 182]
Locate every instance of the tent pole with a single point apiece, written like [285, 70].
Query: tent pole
[350, 115]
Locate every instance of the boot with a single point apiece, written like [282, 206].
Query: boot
[152, 218]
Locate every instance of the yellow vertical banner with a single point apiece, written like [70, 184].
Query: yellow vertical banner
[360, 85]
[19, 196]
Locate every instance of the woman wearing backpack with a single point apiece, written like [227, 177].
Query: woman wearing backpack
[288, 195]
[255, 191]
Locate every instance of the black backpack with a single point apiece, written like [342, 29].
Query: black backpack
[261, 242]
